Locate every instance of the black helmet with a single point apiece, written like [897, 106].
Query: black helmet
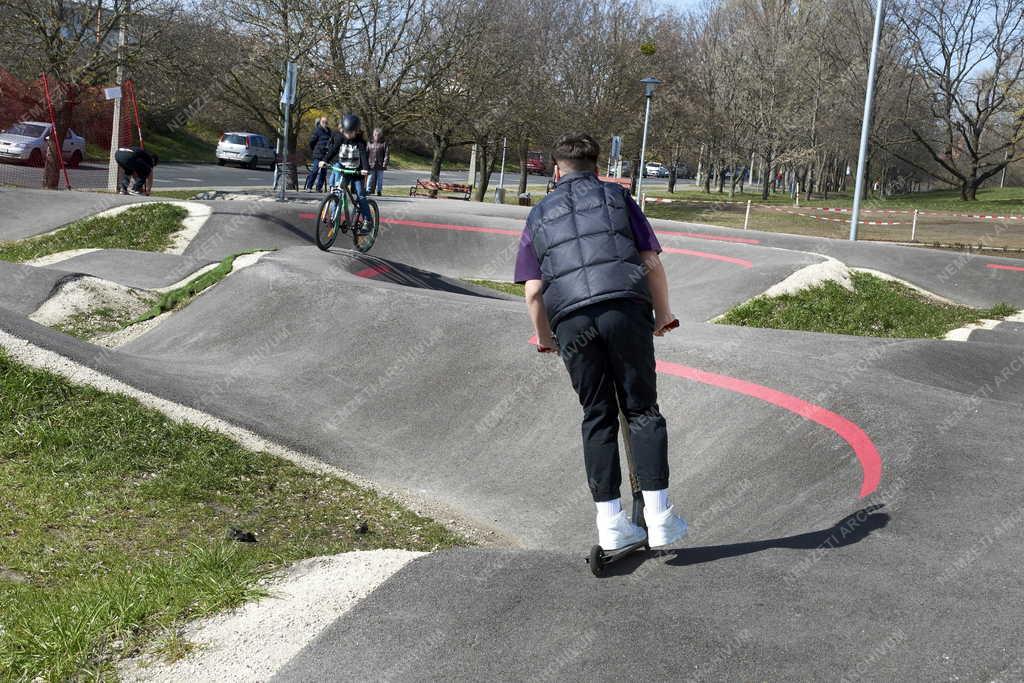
[350, 123]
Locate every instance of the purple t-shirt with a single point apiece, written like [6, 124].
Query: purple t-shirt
[528, 267]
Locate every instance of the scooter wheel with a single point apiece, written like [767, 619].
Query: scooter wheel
[596, 560]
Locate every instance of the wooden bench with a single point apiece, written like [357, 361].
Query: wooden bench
[430, 188]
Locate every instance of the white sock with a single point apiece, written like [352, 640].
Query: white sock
[656, 501]
[606, 509]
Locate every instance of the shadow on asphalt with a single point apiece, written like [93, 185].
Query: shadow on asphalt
[851, 529]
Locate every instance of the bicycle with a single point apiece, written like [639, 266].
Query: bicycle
[339, 212]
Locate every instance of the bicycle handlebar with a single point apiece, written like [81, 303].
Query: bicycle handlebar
[345, 171]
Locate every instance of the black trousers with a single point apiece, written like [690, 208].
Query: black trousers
[608, 349]
[132, 165]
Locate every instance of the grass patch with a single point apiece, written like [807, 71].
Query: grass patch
[876, 308]
[1003, 200]
[115, 520]
[180, 297]
[177, 194]
[189, 144]
[143, 228]
[506, 287]
[410, 161]
[102, 320]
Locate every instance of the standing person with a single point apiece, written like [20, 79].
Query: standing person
[348, 146]
[319, 143]
[379, 153]
[589, 260]
[136, 163]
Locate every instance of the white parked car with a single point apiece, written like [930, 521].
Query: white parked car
[26, 142]
[248, 149]
[656, 169]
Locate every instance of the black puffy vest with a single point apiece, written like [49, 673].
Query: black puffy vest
[585, 246]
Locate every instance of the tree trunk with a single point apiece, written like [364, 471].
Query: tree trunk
[64, 106]
[523, 154]
[440, 146]
[707, 179]
[969, 190]
[483, 171]
[766, 175]
[721, 176]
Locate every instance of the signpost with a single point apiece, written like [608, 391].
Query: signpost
[615, 157]
[287, 101]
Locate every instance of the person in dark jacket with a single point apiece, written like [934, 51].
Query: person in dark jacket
[348, 148]
[137, 163]
[589, 260]
[379, 153]
[319, 143]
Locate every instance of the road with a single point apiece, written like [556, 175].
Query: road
[211, 176]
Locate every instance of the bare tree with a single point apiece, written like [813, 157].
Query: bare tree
[968, 65]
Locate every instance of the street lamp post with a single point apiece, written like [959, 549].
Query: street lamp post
[865, 127]
[650, 83]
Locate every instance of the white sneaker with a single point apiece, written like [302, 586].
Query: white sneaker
[618, 532]
[664, 528]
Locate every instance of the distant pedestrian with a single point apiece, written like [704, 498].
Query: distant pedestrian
[597, 293]
[138, 164]
[319, 143]
[379, 153]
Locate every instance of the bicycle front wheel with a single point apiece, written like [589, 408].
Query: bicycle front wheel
[366, 231]
[327, 222]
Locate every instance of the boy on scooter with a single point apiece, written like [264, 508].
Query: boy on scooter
[589, 261]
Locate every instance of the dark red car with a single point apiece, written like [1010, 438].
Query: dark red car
[535, 163]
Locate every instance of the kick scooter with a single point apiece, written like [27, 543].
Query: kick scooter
[599, 557]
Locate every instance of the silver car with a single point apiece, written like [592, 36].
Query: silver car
[26, 142]
[249, 149]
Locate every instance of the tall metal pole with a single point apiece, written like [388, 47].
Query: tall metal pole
[501, 178]
[865, 128]
[643, 147]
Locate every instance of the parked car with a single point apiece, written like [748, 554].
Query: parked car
[248, 149]
[655, 169]
[26, 142]
[535, 163]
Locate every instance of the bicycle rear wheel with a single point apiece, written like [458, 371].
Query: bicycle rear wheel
[327, 222]
[365, 233]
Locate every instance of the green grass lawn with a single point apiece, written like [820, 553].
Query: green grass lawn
[188, 144]
[1003, 200]
[115, 523]
[876, 308]
[506, 287]
[144, 228]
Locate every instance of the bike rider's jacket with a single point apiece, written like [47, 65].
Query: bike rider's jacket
[584, 243]
[350, 154]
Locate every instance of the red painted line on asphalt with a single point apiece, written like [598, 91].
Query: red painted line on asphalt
[865, 450]
[446, 226]
[307, 215]
[999, 266]
[516, 233]
[718, 238]
[714, 257]
[859, 441]
[373, 271]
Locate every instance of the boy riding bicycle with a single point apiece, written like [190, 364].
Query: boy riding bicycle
[348, 149]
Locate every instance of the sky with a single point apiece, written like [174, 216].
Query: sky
[678, 4]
